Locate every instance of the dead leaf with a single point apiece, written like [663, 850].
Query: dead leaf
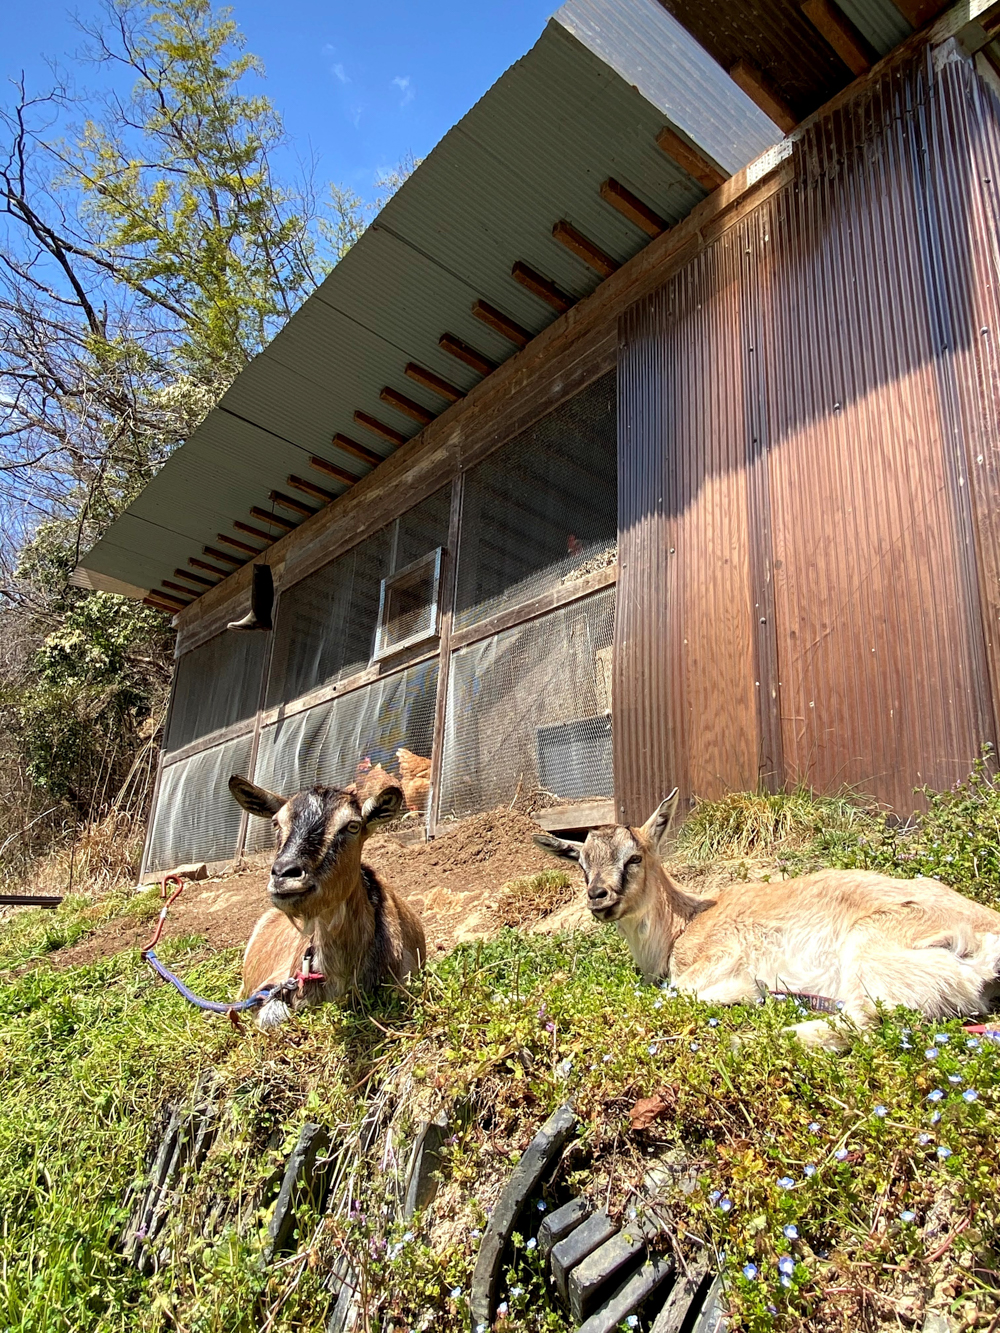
[648, 1109]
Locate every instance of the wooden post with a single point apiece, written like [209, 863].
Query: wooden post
[449, 585]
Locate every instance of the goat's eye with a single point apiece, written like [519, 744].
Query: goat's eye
[633, 861]
[354, 826]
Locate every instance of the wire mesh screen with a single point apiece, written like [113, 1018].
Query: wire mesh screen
[408, 612]
[218, 684]
[529, 710]
[541, 510]
[196, 819]
[326, 622]
[390, 722]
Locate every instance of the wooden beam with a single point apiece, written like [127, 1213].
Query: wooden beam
[407, 406]
[212, 569]
[631, 206]
[253, 532]
[273, 519]
[761, 91]
[169, 597]
[433, 382]
[290, 502]
[578, 244]
[332, 470]
[240, 546]
[153, 599]
[918, 13]
[497, 321]
[690, 159]
[358, 451]
[540, 286]
[454, 346]
[377, 427]
[310, 488]
[222, 555]
[194, 578]
[177, 587]
[839, 32]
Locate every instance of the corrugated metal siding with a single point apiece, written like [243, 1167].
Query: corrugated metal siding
[834, 383]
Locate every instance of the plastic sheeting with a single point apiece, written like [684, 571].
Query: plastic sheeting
[196, 818]
[532, 702]
[218, 684]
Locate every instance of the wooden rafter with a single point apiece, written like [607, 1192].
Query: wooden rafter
[222, 555]
[690, 159]
[240, 546]
[761, 91]
[584, 248]
[253, 532]
[415, 411]
[195, 563]
[540, 286]
[500, 323]
[273, 519]
[461, 350]
[310, 488]
[290, 502]
[839, 32]
[377, 427]
[332, 470]
[177, 587]
[193, 578]
[631, 206]
[433, 382]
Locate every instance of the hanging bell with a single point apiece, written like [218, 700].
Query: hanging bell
[261, 601]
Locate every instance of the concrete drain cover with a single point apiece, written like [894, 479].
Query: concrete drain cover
[601, 1273]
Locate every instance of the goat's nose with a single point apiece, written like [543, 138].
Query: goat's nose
[597, 895]
[292, 871]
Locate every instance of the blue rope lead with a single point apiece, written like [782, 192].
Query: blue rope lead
[214, 1006]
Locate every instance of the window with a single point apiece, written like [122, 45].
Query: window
[408, 611]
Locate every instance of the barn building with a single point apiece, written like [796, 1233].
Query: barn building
[648, 436]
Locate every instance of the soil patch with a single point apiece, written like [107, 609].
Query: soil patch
[452, 882]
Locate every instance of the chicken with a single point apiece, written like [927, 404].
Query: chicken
[414, 778]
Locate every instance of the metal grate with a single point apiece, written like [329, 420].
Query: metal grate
[529, 709]
[196, 819]
[543, 509]
[326, 623]
[218, 684]
[338, 742]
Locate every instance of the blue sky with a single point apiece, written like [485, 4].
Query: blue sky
[358, 85]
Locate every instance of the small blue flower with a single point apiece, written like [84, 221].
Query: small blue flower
[750, 1272]
[456, 1292]
[790, 1232]
[480, 1328]
[532, 1243]
[785, 1183]
[786, 1264]
[880, 1111]
[785, 1280]
[809, 1170]
[657, 1004]
[541, 1205]
[633, 1321]
[970, 1095]
[954, 1078]
[814, 1127]
[935, 1117]
[516, 1291]
[923, 1139]
[726, 1204]
[502, 1308]
[841, 1154]
[841, 1005]
[931, 1053]
[944, 1153]
[715, 1196]
[972, 1043]
[935, 1096]
[475, 1233]
[906, 1045]
[907, 1216]
[696, 1045]
[942, 1038]
[713, 1022]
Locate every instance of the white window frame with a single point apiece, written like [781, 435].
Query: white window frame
[383, 650]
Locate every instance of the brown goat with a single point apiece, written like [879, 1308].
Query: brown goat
[331, 914]
[850, 935]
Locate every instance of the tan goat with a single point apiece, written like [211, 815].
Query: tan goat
[851, 935]
[331, 914]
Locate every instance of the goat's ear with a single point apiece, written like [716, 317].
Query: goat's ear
[383, 806]
[660, 820]
[557, 846]
[255, 800]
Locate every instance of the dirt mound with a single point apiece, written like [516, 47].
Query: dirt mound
[452, 882]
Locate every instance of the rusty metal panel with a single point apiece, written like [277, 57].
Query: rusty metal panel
[809, 587]
[882, 676]
[684, 694]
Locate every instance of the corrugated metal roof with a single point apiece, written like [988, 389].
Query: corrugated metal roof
[584, 104]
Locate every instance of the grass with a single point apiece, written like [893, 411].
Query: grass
[532, 897]
[779, 1160]
[753, 824]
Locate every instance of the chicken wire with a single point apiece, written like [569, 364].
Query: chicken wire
[196, 819]
[529, 709]
[542, 510]
[326, 622]
[339, 742]
[217, 685]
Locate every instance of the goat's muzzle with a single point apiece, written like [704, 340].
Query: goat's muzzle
[289, 885]
[602, 901]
